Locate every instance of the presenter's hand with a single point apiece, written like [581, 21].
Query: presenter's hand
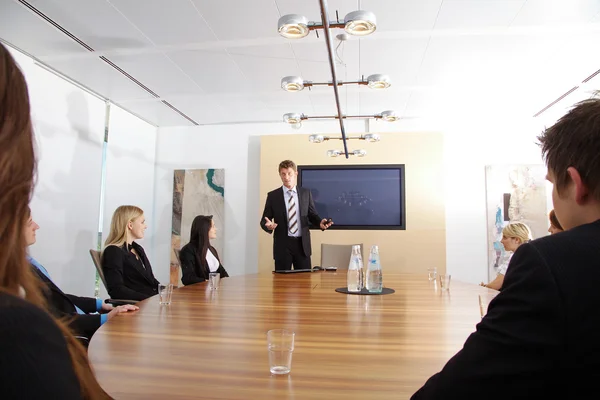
[326, 223]
[270, 224]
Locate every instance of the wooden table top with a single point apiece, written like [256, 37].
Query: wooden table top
[212, 344]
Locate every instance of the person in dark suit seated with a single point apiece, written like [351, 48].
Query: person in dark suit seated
[40, 357]
[539, 338]
[82, 312]
[198, 258]
[127, 270]
[289, 212]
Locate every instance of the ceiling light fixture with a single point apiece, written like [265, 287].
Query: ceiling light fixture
[357, 23]
[292, 83]
[389, 115]
[360, 23]
[293, 26]
[296, 83]
[337, 153]
[294, 118]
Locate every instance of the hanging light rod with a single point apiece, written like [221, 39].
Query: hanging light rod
[357, 23]
[369, 137]
[296, 83]
[297, 118]
[337, 153]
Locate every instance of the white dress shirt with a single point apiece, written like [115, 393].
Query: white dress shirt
[286, 196]
[213, 263]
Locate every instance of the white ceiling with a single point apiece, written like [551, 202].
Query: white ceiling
[221, 61]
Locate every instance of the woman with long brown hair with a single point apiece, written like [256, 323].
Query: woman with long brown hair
[198, 257]
[40, 358]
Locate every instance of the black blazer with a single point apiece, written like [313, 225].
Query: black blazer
[35, 362]
[539, 338]
[275, 207]
[125, 276]
[62, 305]
[191, 272]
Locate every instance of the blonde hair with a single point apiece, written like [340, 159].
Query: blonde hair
[118, 224]
[517, 230]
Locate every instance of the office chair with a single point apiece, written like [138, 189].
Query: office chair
[96, 258]
[338, 255]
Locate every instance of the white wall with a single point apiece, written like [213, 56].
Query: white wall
[69, 130]
[470, 144]
[129, 171]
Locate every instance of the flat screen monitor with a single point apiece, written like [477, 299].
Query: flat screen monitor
[357, 196]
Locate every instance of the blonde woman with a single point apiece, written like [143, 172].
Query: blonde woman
[513, 235]
[127, 271]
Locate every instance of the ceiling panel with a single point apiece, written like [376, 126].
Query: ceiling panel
[553, 12]
[25, 30]
[266, 76]
[101, 78]
[156, 113]
[496, 60]
[312, 10]
[203, 109]
[240, 19]
[403, 15]
[89, 21]
[465, 14]
[399, 58]
[376, 101]
[283, 50]
[173, 22]
[213, 71]
[158, 73]
[297, 102]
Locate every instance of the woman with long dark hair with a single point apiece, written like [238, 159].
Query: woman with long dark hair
[198, 258]
[40, 356]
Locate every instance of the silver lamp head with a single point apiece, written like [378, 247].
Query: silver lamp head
[372, 137]
[360, 153]
[292, 83]
[293, 26]
[379, 81]
[360, 23]
[292, 118]
[390, 116]
[333, 153]
[316, 138]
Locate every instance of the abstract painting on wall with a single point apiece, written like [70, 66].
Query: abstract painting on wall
[514, 193]
[195, 192]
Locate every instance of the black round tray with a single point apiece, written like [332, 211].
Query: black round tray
[365, 291]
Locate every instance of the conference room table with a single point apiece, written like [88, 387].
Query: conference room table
[212, 344]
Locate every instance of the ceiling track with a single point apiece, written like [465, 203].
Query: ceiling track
[103, 58]
[561, 97]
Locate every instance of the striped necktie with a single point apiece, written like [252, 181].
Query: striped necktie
[292, 214]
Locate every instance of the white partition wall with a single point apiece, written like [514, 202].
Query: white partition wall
[69, 126]
[130, 172]
[69, 130]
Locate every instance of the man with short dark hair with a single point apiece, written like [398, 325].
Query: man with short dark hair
[539, 338]
[289, 211]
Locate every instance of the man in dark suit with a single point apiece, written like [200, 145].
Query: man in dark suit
[85, 314]
[289, 212]
[539, 338]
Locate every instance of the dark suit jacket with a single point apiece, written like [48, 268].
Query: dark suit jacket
[62, 305]
[539, 339]
[275, 207]
[191, 272]
[125, 277]
[35, 361]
